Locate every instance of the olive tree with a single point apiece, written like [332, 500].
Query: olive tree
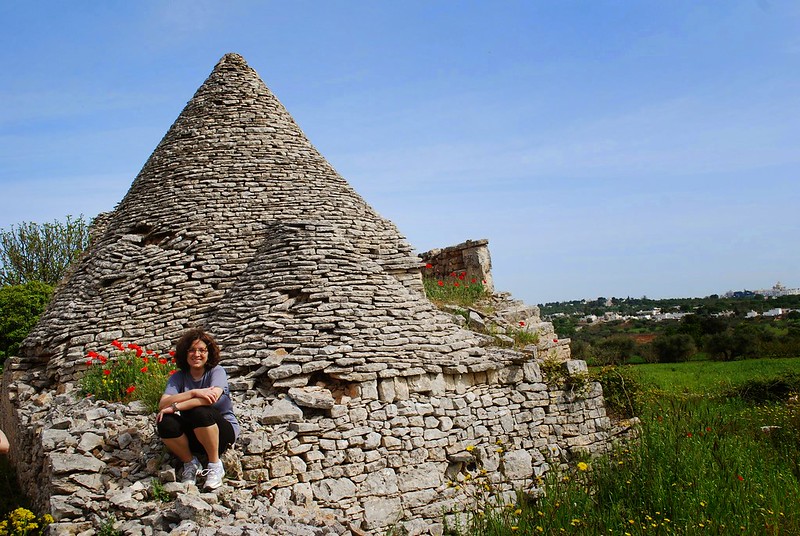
[41, 252]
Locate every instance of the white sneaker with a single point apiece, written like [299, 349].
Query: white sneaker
[214, 475]
[190, 470]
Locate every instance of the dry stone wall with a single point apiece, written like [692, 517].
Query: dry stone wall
[362, 405]
[351, 457]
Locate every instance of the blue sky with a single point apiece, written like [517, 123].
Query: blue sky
[605, 148]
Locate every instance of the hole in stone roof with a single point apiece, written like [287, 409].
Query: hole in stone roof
[108, 281]
[157, 238]
[299, 296]
[150, 235]
[141, 228]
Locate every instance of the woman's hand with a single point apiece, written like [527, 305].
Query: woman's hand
[210, 394]
[166, 410]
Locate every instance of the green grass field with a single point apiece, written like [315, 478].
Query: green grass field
[711, 377]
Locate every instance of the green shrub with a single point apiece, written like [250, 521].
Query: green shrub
[614, 350]
[622, 390]
[20, 307]
[673, 348]
[758, 390]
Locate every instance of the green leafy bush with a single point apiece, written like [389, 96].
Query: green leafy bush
[622, 391]
[132, 374]
[673, 348]
[778, 388]
[20, 307]
[614, 350]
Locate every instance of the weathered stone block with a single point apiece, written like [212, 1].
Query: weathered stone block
[332, 490]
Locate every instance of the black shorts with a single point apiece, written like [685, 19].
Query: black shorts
[174, 425]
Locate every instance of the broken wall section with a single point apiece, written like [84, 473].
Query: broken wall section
[471, 257]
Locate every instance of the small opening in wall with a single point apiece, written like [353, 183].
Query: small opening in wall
[108, 281]
[338, 388]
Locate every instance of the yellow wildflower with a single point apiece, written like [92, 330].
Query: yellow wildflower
[583, 466]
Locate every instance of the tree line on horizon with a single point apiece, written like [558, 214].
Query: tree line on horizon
[715, 329]
[709, 305]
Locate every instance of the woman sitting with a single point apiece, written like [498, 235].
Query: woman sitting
[196, 413]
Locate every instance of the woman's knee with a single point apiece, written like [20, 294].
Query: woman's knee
[201, 417]
[169, 427]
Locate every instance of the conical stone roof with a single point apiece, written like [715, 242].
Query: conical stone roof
[335, 311]
[237, 223]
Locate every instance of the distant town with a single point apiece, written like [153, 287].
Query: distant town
[777, 290]
[728, 305]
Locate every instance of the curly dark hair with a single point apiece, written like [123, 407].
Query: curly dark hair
[186, 341]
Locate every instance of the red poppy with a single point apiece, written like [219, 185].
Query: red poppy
[452, 274]
[740, 477]
[555, 340]
[521, 323]
[474, 280]
[173, 371]
[162, 361]
[89, 362]
[149, 352]
[106, 372]
[172, 353]
[456, 284]
[130, 389]
[115, 343]
[102, 359]
[441, 283]
[688, 434]
[143, 369]
[145, 359]
[708, 428]
[429, 266]
[92, 354]
[462, 276]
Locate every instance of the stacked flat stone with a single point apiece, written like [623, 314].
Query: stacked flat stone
[360, 402]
